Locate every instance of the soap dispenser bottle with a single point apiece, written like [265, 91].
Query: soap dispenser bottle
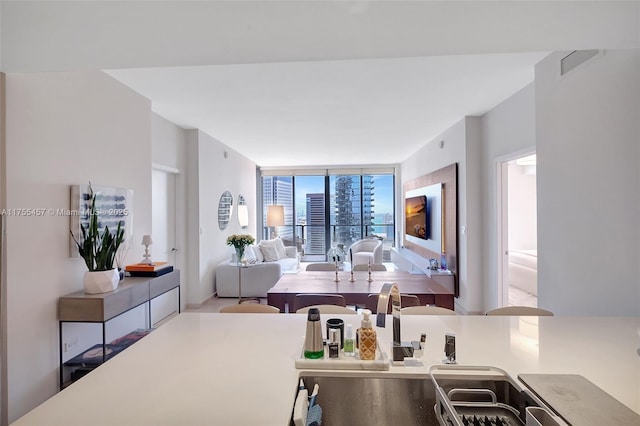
[349, 344]
[367, 337]
[313, 345]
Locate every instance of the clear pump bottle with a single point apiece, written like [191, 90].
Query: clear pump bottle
[349, 343]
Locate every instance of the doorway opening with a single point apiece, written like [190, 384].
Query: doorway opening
[517, 231]
[164, 231]
[163, 221]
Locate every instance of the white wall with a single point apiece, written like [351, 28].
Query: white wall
[193, 220]
[476, 144]
[211, 172]
[457, 149]
[470, 216]
[169, 149]
[62, 129]
[586, 132]
[168, 143]
[205, 173]
[588, 137]
[506, 129]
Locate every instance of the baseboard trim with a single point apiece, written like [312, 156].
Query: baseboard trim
[199, 305]
[461, 311]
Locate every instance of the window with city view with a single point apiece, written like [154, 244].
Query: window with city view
[332, 211]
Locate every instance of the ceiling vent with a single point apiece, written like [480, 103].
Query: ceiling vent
[575, 58]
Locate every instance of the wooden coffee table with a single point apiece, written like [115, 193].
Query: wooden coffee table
[355, 293]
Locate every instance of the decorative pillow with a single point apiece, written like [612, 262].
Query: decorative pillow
[257, 253]
[269, 252]
[249, 254]
[269, 244]
[282, 252]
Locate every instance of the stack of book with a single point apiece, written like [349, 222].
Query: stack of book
[149, 269]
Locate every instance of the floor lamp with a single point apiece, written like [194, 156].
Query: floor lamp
[275, 217]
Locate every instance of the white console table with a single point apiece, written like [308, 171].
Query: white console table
[445, 278]
[408, 261]
[101, 308]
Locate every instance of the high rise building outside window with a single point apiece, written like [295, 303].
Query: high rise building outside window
[321, 211]
[278, 190]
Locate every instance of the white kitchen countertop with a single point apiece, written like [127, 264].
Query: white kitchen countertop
[238, 369]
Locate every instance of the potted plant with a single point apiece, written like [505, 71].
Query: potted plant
[98, 249]
[121, 254]
[240, 242]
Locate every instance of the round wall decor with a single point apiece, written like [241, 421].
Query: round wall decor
[225, 209]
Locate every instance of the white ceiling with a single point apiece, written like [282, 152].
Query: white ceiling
[312, 82]
[376, 111]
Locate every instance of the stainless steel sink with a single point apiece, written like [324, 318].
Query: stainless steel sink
[456, 395]
[370, 400]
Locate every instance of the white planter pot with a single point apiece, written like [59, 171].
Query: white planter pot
[100, 281]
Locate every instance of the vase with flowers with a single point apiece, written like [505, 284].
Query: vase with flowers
[240, 243]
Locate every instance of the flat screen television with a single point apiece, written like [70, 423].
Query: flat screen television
[418, 217]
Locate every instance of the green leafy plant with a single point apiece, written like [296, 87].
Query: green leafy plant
[98, 249]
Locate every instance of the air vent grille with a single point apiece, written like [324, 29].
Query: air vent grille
[575, 58]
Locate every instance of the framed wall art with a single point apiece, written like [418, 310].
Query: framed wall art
[113, 205]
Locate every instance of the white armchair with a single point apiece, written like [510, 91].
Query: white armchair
[363, 251]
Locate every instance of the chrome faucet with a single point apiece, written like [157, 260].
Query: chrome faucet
[401, 350]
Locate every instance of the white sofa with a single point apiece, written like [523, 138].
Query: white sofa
[258, 277]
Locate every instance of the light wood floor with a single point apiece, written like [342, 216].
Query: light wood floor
[518, 297]
[215, 303]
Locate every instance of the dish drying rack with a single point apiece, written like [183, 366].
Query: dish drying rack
[485, 396]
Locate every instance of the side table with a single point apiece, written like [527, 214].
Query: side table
[241, 299]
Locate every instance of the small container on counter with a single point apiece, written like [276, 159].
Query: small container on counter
[334, 343]
[450, 348]
[349, 343]
[313, 347]
[367, 338]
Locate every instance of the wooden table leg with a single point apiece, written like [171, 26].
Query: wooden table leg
[278, 300]
[426, 299]
[445, 301]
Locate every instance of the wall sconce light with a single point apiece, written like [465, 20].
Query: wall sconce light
[243, 216]
[275, 217]
[146, 242]
[243, 212]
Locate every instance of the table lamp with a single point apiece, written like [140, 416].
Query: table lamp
[275, 217]
[146, 242]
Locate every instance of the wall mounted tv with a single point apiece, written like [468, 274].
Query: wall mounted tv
[418, 217]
